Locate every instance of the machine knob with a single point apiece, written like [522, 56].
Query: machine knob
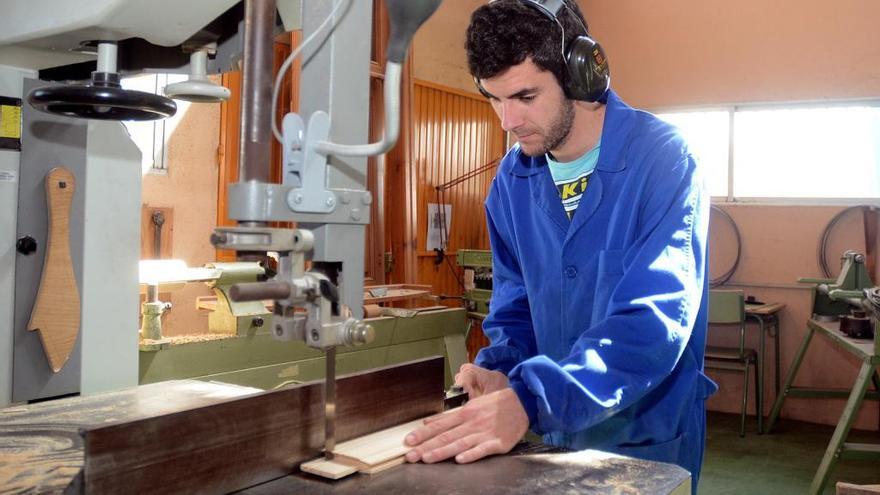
[360, 333]
[219, 239]
[26, 245]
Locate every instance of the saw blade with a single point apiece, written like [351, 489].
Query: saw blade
[330, 403]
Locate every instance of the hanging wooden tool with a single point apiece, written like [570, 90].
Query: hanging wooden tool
[56, 313]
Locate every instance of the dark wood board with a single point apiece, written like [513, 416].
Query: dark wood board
[239, 443]
[41, 450]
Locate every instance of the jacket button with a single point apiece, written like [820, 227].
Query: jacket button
[571, 271]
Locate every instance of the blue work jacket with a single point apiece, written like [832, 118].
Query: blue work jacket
[600, 322]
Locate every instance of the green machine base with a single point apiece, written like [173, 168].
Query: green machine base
[258, 360]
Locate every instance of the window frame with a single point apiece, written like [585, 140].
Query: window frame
[159, 154]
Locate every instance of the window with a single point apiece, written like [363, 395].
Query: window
[707, 134]
[787, 152]
[151, 136]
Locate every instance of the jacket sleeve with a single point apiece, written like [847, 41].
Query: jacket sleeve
[638, 340]
[508, 325]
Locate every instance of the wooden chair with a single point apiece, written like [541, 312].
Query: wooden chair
[727, 311]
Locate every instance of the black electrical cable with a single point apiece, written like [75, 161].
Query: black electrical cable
[441, 252]
[454, 273]
[721, 280]
[822, 253]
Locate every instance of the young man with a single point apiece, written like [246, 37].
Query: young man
[598, 222]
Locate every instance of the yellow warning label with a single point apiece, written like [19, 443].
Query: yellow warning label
[10, 121]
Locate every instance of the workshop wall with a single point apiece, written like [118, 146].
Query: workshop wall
[779, 245]
[680, 52]
[747, 51]
[438, 46]
[190, 188]
[453, 133]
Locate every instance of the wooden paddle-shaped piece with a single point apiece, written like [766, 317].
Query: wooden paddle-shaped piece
[56, 313]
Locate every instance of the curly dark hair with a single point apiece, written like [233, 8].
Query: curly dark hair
[503, 33]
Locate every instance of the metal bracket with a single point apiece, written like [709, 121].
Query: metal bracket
[262, 239]
[304, 168]
[261, 202]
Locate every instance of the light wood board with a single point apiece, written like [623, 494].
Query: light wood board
[328, 469]
[56, 313]
[369, 454]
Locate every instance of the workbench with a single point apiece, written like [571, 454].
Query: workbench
[868, 352]
[528, 469]
[41, 451]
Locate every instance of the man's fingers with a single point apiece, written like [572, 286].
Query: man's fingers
[480, 450]
[452, 449]
[443, 439]
[433, 426]
[468, 379]
[467, 372]
[445, 415]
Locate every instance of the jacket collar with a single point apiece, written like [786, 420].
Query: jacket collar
[619, 121]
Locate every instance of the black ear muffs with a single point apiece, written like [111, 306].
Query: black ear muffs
[588, 75]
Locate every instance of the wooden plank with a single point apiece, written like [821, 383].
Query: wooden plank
[392, 293]
[56, 312]
[328, 469]
[378, 447]
[378, 468]
[241, 442]
[340, 467]
[368, 454]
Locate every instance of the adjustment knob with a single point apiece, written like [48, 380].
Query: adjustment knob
[360, 333]
[26, 245]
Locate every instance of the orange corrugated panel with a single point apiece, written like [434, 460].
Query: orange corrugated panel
[454, 133]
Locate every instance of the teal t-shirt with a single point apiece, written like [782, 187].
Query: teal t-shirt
[571, 178]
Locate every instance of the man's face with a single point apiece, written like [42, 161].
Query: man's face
[532, 106]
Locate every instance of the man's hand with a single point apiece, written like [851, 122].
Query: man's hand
[490, 424]
[478, 381]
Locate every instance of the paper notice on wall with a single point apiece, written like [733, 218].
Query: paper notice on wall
[439, 220]
[8, 176]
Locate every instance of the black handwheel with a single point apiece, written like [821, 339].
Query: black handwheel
[102, 101]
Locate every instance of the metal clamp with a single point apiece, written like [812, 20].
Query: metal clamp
[304, 168]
